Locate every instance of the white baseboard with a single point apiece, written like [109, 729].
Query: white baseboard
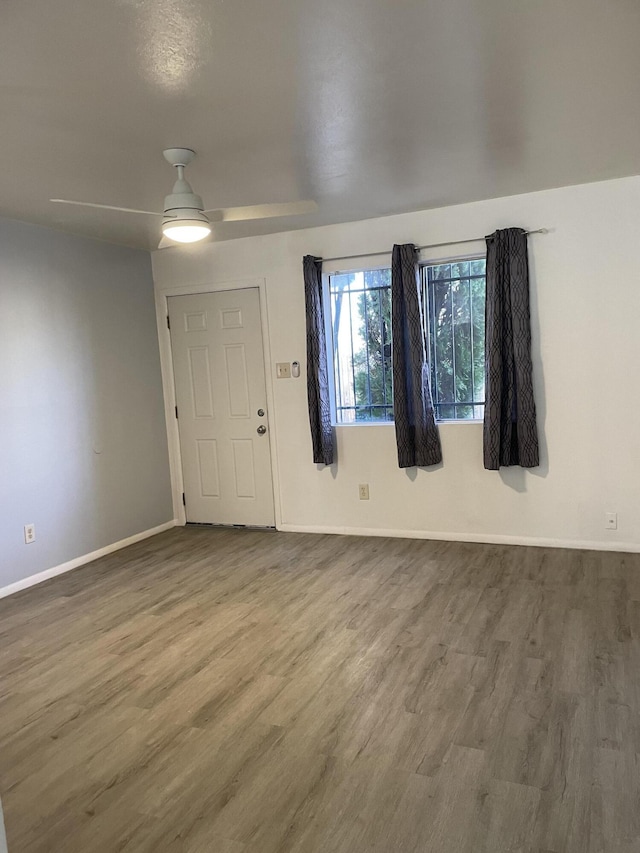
[32, 580]
[486, 538]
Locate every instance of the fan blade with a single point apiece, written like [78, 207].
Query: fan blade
[265, 211]
[104, 206]
[166, 243]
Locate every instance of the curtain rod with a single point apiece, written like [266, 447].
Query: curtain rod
[430, 246]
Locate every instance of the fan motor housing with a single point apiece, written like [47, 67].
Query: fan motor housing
[187, 201]
[180, 214]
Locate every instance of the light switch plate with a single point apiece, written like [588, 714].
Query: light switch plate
[283, 370]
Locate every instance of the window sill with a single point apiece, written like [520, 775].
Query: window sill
[391, 423]
[365, 424]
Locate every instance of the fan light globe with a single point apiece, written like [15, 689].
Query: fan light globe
[186, 231]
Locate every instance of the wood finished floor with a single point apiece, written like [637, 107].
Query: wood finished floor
[227, 691]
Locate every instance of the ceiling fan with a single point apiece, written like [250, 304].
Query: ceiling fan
[184, 218]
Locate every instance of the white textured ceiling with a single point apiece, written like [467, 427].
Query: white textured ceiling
[370, 107]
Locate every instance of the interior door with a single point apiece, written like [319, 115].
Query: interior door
[218, 365]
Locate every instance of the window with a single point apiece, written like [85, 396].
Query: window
[361, 331]
[454, 299]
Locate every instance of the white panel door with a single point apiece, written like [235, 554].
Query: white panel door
[218, 365]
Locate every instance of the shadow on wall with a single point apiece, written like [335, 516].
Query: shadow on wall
[412, 473]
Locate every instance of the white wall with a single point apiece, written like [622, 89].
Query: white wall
[585, 293]
[83, 451]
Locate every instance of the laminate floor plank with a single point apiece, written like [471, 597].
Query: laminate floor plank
[239, 691]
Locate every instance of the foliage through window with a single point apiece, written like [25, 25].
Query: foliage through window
[454, 301]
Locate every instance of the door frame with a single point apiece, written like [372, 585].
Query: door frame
[169, 388]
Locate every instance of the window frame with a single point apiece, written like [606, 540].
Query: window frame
[329, 338]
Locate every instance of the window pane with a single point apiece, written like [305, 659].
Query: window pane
[377, 278]
[462, 341]
[460, 269]
[341, 282]
[361, 325]
[443, 342]
[440, 271]
[343, 354]
[456, 300]
[478, 306]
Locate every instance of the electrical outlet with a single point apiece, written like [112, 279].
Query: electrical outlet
[283, 370]
[611, 520]
[363, 491]
[29, 533]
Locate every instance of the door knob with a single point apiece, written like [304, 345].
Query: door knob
[261, 429]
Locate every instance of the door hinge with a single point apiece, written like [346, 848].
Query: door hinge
[168, 322]
[176, 411]
[184, 500]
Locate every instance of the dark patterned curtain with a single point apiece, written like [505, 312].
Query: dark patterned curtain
[510, 432]
[417, 435]
[322, 434]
